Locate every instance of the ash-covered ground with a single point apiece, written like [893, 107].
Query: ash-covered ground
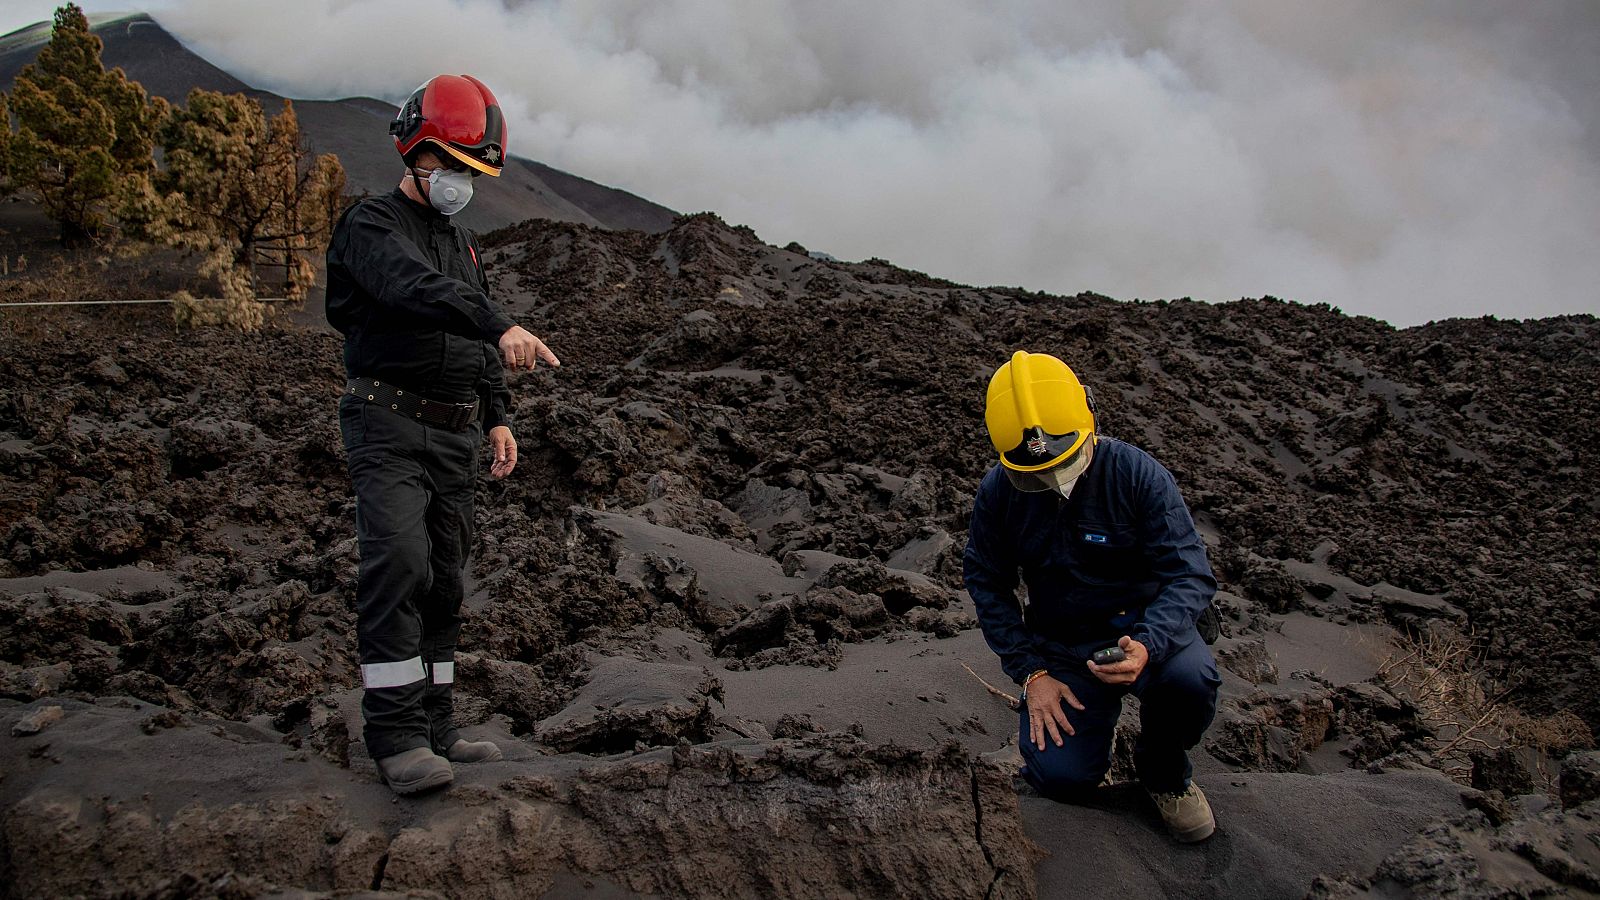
[716, 617]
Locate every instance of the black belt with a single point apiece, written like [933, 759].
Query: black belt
[451, 416]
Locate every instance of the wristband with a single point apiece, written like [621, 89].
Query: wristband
[1037, 673]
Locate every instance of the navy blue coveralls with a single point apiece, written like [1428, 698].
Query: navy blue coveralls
[407, 290]
[1121, 556]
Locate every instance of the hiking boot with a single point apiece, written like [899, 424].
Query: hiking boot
[414, 771]
[465, 751]
[1187, 814]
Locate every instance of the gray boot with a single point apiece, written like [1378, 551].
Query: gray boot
[415, 771]
[1187, 814]
[465, 751]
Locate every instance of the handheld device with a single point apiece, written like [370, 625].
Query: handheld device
[1108, 656]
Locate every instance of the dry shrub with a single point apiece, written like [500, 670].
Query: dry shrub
[63, 278]
[1443, 674]
[239, 311]
[236, 308]
[1554, 735]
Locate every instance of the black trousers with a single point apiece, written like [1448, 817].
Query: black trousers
[413, 486]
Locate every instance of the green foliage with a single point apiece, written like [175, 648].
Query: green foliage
[244, 191]
[84, 135]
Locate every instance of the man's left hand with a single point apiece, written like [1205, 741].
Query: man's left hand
[1127, 671]
[505, 451]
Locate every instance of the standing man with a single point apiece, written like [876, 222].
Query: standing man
[423, 350]
[1111, 561]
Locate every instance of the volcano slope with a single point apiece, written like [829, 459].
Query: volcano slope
[715, 616]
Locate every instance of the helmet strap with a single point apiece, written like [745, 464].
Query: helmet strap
[418, 183]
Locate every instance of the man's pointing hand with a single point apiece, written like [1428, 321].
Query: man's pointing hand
[521, 350]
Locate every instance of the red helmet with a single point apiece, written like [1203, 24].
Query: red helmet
[458, 114]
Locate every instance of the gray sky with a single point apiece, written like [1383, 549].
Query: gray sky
[1407, 161]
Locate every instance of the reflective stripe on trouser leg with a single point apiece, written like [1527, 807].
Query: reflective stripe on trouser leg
[442, 672]
[392, 674]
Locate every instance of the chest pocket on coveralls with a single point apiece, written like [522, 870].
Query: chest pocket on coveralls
[1106, 551]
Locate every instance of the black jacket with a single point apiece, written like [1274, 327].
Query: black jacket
[407, 290]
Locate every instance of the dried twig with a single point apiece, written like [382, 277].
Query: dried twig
[1011, 701]
[1470, 734]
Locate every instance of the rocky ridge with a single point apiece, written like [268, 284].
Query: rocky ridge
[745, 491]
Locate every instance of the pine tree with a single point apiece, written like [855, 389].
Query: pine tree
[239, 188]
[84, 135]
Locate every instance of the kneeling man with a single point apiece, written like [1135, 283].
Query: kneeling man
[1111, 562]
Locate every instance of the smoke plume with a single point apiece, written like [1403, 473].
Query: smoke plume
[1405, 161]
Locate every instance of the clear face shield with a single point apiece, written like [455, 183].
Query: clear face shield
[1059, 478]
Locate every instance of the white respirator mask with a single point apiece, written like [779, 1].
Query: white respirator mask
[449, 191]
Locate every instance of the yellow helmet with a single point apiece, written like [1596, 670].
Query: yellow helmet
[1040, 420]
